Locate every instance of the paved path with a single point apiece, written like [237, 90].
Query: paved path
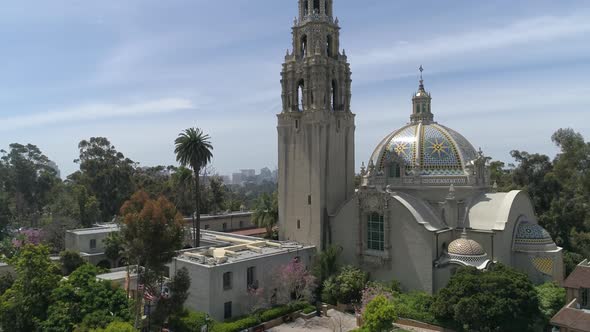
[335, 322]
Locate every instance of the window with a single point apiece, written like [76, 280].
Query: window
[93, 244]
[329, 46]
[224, 226]
[375, 232]
[395, 170]
[308, 199]
[298, 224]
[241, 224]
[585, 297]
[227, 280]
[251, 277]
[207, 226]
[305, 7]
[227, 310]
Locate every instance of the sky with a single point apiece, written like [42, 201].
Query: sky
[505, 74]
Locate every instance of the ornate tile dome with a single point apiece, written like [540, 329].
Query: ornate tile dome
[426, 149]
[465, 247]
[465, 251]
[532, 237]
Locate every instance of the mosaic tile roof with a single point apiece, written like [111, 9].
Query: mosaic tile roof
[532, 237]
[428, 149]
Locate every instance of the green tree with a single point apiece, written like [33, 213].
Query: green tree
[106, 174]
[172, 306]
[499, 299]
[217, 193]
[70, 261]
[81, 295]
[6, 281]
[266, 212]
[28, 179]
[23, 307]
[117, 327]
[325, 263]
[193, 148]
[152, 231]
[346, 287]
[114, 246]
[551, 299]
[88, 206]
[379, 315]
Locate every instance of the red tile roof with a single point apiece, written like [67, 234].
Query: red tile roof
[576, 319]
[580, 278]
[251, 232]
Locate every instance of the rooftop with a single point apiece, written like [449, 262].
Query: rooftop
[232, 248]
[222, 215]
[580, 278]
[104, 228]
[573, 318]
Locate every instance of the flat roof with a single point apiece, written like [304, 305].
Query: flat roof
[233, 248]
[222, 215]
[106, 228]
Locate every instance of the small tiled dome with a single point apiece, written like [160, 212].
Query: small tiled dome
[465, 247]
[532, 237]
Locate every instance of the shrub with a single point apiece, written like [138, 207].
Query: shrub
[346, 287]
[188, 321]
[379, 314]
[416, 306]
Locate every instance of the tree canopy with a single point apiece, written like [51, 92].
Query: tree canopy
[500, 299]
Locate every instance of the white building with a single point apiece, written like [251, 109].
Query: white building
[89, 242]
[224, 269]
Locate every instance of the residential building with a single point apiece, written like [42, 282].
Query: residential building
[225, 222]
[575, 316]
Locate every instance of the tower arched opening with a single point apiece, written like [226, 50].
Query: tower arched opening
[305, 7]
[300, 97]
[304, 46]
[334, 95]
[316, 6]
[329, 44]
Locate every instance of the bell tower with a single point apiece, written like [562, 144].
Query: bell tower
[315, 128]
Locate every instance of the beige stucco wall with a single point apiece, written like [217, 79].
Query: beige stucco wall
[412, 246]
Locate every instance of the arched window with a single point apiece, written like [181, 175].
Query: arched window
[305, 8]
[327, 9]
[418, 109]
[329, 46]
[375, 232]
[334, 95]
[304, 46]
[316, 6]
[395, 171]
[300, 97]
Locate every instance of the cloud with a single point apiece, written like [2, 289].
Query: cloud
[531, 30]
[96, 111]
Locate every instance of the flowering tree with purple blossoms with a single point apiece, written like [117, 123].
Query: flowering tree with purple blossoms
[371, 291]
[294, 283]
[27, 236]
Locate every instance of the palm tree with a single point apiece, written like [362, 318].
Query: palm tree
[193, 149]
[266, 212]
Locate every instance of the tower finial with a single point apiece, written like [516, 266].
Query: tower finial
[421, 69]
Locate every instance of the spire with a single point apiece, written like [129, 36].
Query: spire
[421, 111]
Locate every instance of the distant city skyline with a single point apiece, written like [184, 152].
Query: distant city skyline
[504, 74]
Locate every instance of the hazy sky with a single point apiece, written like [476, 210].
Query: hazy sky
[506, 74]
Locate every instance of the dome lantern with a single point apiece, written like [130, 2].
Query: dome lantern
[421, 111]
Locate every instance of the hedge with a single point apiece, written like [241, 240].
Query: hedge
[264, 316]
